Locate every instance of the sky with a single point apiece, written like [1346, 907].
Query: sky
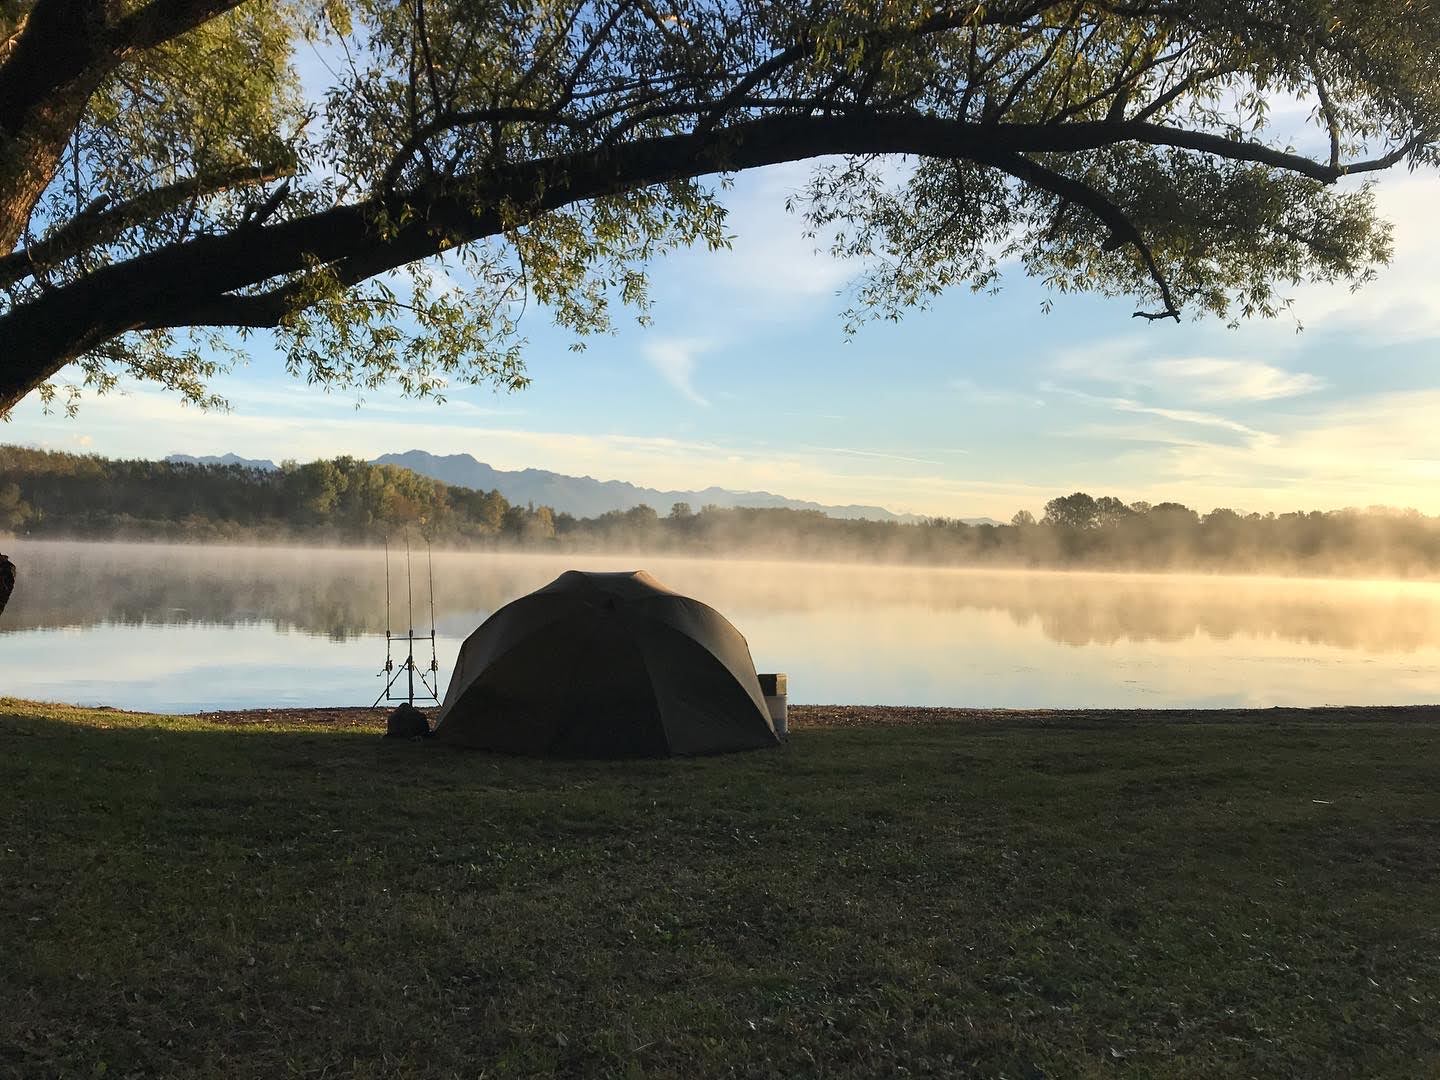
[979, 406]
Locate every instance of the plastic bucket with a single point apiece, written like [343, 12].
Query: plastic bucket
[776, 690]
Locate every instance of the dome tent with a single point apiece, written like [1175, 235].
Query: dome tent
[605, 666]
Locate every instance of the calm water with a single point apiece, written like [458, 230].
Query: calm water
[185, 628]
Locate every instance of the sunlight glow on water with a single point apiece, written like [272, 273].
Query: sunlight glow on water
[188, 628]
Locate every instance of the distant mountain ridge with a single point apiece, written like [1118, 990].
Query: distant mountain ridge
[584, 496]
[263, 464]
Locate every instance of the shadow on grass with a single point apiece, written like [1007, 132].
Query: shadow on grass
[1206, 899]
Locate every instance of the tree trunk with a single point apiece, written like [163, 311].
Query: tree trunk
[30, 158]
[7, 581]
[55, 65]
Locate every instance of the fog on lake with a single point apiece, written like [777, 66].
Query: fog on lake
[176, 628]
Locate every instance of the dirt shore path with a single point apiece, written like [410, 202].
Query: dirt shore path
[806, 717]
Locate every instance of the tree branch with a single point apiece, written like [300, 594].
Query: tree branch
[777, 63]
[164, 20]
[469, 117]
[8, 41]
[99, 227]
[1122, 230]
[1183, 86]
[1327, 109]
[582, 65]
[437, 100]
[56, 49]
[197, 281]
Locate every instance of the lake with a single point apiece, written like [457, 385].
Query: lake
[184, 628]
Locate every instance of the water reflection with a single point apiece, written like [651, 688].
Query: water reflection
[341, 594]
[186, 628]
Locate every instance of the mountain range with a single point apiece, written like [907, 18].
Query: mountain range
[582, 496]
[586, 497]
[263, 464]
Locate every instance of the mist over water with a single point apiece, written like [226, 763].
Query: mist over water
[180, 628]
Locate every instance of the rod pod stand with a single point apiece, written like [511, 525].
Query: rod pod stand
[407, 666]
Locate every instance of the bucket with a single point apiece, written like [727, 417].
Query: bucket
[776, 692]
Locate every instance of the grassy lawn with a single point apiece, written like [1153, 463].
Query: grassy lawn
[1020, 898]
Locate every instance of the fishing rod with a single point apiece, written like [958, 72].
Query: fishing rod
[434, 663]
[410, 616]
[389, 663]
[429, 678]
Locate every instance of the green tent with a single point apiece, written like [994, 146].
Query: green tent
[605, 666]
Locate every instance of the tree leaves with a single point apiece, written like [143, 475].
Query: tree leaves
[547, 151]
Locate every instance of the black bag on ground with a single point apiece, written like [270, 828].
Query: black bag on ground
[407, 722]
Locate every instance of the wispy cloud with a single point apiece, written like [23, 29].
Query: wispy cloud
[1179, 416]
[1206, 379]
[1377, 449]
[881, 455]
[1200, 379]
[674, 359]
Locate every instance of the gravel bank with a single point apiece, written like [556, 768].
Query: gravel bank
[806, 717]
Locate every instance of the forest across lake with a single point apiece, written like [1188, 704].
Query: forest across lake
[187, 627]
[48, 494]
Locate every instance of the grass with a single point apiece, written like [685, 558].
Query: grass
[1017, 898]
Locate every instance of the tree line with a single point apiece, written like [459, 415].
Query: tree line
[346, 500]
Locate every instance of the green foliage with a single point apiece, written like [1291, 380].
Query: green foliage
[14, 511]
[1077, 511]
[343, 498]
[482, 158]
[372, 335]
[527, 524]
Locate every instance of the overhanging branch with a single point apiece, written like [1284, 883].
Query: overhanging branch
[199, 281]
[102, 226]
[1122, 230]
[160, 21]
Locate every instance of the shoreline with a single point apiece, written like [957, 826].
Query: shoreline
[830, 717]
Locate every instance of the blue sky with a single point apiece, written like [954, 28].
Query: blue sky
[979, 406]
